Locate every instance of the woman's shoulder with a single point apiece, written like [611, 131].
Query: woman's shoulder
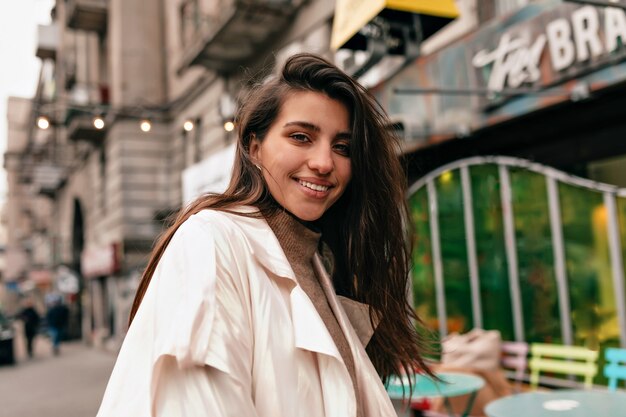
[233, 234]
[224, 226]
[222, 221]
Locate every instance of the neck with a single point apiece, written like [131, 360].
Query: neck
[298, 239]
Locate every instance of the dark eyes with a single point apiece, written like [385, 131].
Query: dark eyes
[342, 148]
[300, 137]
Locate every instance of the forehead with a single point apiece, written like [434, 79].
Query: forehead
[314, 107]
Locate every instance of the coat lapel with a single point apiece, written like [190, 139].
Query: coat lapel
[371, 393]
[310, 332]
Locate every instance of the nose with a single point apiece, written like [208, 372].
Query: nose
[321, 158]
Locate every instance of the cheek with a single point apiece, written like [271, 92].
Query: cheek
[344, 171]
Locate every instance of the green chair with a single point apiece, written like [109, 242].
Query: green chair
[561, 359]
[615, 367]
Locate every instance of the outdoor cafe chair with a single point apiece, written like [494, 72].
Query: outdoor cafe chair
[561, 359]
[514, 357]
[615, 368]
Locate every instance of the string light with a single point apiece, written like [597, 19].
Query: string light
[43, 123]
[188, 125]
[98, 122]
[229, 126]
[145, 125]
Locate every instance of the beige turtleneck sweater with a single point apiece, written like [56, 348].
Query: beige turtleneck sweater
[300, 243]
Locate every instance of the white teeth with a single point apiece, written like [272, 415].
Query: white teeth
[312, 186]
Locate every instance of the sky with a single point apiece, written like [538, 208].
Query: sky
[19, 67]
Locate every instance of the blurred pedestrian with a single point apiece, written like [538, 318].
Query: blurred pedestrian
[56, 320]
[263, 300]
[31, 319]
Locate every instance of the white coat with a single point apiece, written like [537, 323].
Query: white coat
[225, 330]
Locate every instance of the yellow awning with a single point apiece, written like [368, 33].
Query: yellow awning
[352, 15]
[441, 8]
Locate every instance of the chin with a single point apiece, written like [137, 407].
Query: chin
[308, 215]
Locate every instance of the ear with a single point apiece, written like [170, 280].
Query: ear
[255, 149]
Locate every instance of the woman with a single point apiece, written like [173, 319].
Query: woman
[243, 309]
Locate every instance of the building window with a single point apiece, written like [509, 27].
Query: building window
[524, 250]
[189, 21]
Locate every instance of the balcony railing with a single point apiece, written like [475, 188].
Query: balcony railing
[47, 41]
[89, 15]
[81, 127]
[48, 178]
[237, 33]
[86, 103]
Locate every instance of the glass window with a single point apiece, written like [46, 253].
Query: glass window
[535, 256]
[621, 213]
[454, 252]
[424, 297]
[588, 266]
[491, 251]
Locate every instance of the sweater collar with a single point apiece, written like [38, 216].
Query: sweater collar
[298, 240]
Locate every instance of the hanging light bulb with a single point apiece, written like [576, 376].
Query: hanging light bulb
[188, 125]
[229, 126]
[145, 125]
[98, 122]
[43, 123]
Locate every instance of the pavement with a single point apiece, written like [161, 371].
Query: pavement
[68, 385]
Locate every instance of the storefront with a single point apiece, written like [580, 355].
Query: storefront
[545, 83]
[517, 243]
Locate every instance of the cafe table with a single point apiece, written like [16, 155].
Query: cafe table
[560, 403]
[452, 384]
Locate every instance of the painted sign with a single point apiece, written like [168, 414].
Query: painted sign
[570, 49]
[97, 261]
[571, 43]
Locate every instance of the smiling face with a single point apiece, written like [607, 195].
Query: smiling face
[305, 156]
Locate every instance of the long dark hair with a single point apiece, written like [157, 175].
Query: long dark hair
[366, 228]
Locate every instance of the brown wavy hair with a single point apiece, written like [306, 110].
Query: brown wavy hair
[366, 228]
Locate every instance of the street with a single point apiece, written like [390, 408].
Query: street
[68, 385]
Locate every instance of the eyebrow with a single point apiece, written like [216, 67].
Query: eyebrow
[316, 128]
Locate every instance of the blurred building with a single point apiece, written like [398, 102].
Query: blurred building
[27, 216]
[516, 160]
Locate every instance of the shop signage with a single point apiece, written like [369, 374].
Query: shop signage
[97, 261]
[352, 15]
[66, 280]
[583, 36]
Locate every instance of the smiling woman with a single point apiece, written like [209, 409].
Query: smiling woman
[286, 295]
[305, 155]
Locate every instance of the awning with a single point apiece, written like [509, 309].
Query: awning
[352, 15]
